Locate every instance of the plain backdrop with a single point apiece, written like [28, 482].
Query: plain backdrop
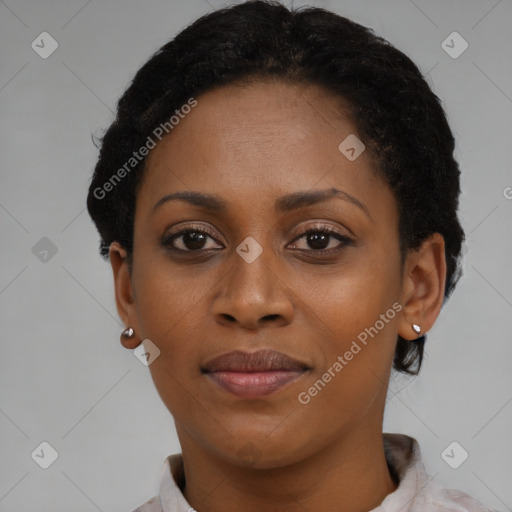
[65, 378]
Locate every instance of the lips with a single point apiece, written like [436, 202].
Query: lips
[253, 375]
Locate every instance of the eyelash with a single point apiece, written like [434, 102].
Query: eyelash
[344, 240]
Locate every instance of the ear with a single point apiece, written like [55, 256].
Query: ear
[124, 293]
[423, 287]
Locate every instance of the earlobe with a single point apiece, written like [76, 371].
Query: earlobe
[124, 294]
[423, 287]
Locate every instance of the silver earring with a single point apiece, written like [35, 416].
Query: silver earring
[416, 328]
[128, 332]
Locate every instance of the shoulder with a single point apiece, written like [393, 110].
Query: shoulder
[437, 498]
[170, 497]
[441, 499]
[417, 491]
[453, 500]
[152, 505]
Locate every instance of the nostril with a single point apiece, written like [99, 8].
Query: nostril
[232, 319]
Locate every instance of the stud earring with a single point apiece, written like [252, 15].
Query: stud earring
[416, 328]
[128, 332]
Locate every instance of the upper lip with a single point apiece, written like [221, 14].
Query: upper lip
[260, 361]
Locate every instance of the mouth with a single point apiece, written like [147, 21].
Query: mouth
[253, 375]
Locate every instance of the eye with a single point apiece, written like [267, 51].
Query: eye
[190, 239]
[320, 239]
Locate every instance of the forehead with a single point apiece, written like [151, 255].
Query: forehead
[254, 142]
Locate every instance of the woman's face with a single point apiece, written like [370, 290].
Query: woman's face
[253, 281]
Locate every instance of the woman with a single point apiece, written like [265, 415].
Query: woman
[278, 200]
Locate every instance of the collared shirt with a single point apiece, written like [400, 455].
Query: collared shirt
[415, 491]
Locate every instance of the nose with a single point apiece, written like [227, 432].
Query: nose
[253, 295]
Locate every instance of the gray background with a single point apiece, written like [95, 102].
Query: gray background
[66, 380]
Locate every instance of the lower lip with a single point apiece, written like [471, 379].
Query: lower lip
[254, 384]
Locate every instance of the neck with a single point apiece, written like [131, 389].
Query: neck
[350, 474]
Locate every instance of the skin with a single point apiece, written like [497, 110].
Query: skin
[250, 145]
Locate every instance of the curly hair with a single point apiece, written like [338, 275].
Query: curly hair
[400, 119]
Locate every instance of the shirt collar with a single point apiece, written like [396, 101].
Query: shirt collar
[402, 454]
[172, 480]
[404, 459]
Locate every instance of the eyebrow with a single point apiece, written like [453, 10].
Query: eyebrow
[283, 204]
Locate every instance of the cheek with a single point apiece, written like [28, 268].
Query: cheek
[168, 314]
[356, 357]
[165, 298]
[352, 299]
[170, 310]
[356, 314]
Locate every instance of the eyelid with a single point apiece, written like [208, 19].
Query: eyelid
[209, 231]
[170, 237]
[321, 226]
[191, 227]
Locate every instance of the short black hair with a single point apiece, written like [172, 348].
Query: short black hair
[399, 118]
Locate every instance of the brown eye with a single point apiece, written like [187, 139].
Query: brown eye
[323, 240]
[189, 240]
[318, 240]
